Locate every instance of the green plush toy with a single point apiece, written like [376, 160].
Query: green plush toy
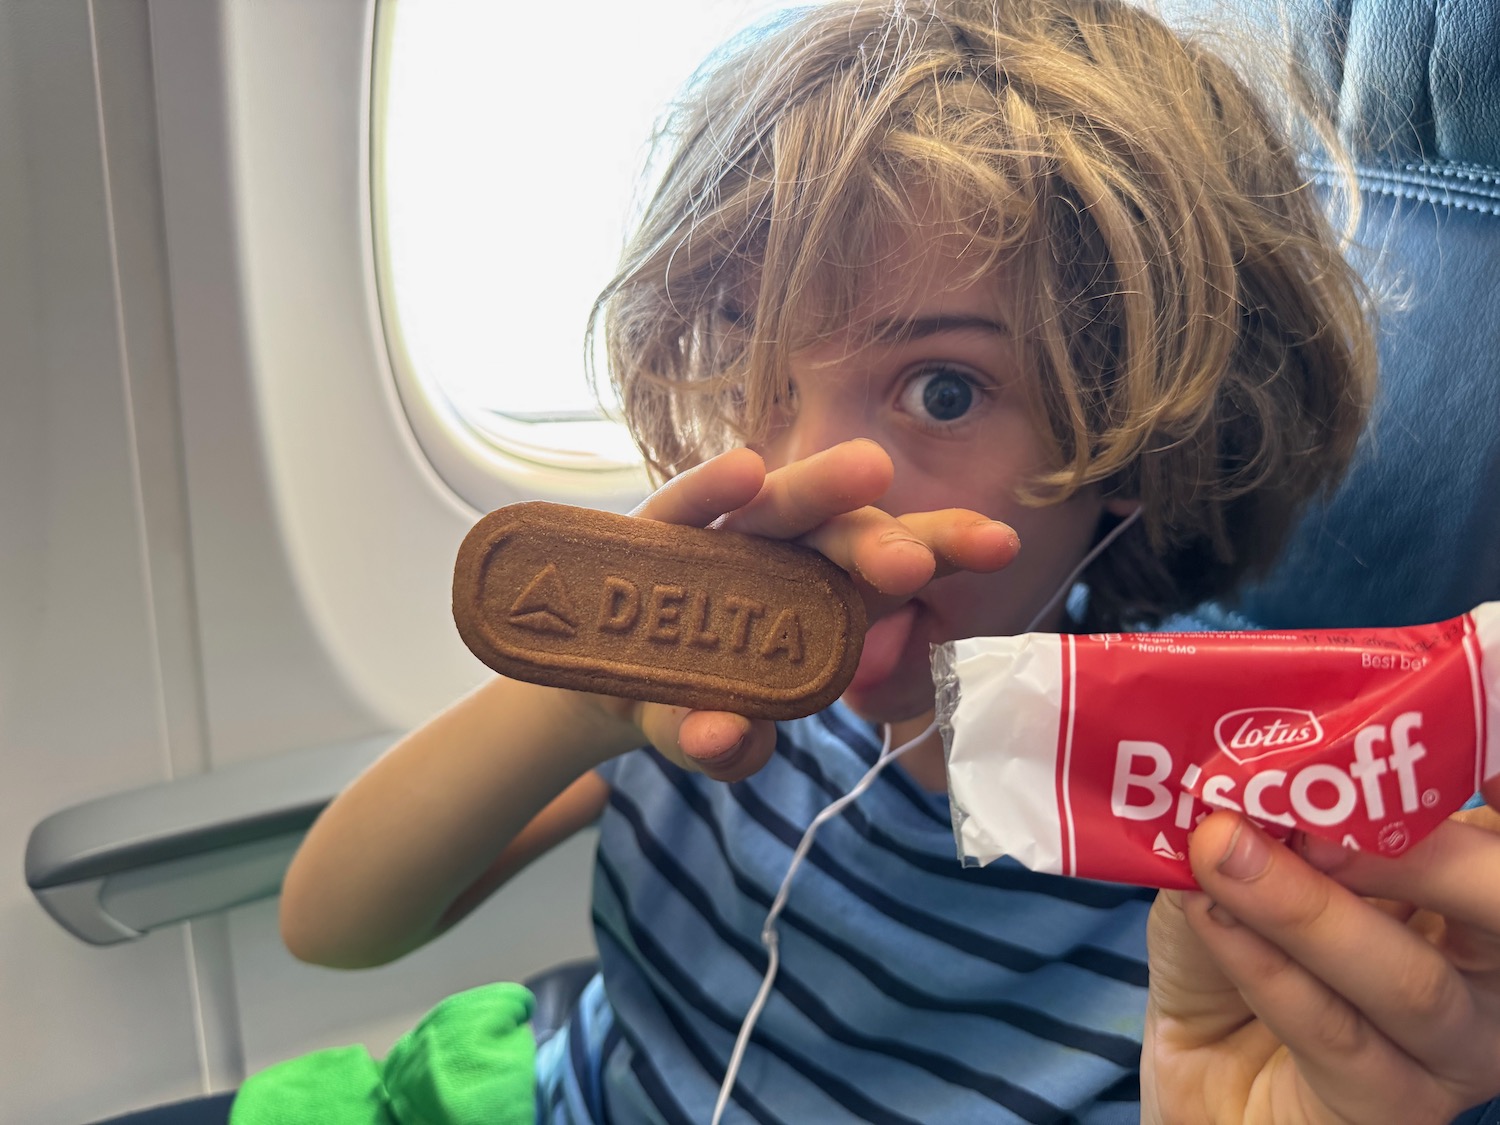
[470, 1061]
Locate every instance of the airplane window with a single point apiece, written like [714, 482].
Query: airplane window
[508, 150]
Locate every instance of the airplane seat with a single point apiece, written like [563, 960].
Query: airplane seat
[210, 1110]
[1413, 534]
[556, 991]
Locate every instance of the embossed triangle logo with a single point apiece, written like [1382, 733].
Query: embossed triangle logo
[544, 606]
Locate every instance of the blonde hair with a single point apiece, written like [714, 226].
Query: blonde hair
[1198, 341]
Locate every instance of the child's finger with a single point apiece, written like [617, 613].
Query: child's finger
[1188, 986]
[897, 557]
[705, 492]
[799, 497]
[1355, 1070]
[876, 548]
[1446, 873]
[724, 746]
[1399, 983]
[964, 540]
[1192, 1010]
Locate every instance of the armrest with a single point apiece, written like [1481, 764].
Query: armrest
[116, 867]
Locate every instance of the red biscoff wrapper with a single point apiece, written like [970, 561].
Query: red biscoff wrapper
[1096, 755]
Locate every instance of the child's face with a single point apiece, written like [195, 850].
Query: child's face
[946, 401]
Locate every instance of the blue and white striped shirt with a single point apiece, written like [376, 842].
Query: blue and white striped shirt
[911, 989]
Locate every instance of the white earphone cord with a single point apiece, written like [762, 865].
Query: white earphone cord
[768, 935]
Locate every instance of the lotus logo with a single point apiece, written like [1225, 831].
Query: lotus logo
[1254, 733]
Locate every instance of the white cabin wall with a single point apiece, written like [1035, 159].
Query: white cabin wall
[218, 539]
[323, 540]
[84, 708]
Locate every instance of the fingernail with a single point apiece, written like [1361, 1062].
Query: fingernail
[1324, 854]
[1247, 856]
[1010, 532]
[724, 758]
[1222, 916]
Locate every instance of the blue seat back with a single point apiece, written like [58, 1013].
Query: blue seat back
[1413, 535]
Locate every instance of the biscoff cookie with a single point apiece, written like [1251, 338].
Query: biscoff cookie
[636, 608]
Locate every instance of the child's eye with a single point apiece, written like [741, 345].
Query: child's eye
[939, 394]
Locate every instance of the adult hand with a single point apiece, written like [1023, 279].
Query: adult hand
[1324, 986]
[828, 502]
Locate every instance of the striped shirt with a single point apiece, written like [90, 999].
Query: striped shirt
[911, 989]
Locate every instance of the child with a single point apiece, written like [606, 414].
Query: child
[919, 282]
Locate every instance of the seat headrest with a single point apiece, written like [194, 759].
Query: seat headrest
[1414, 532]
[1408, 80]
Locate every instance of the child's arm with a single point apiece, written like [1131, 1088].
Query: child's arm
[474, 794]
[467, 799]
[1281, 995]
[413, 843]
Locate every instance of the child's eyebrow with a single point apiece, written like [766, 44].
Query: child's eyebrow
[894, 331]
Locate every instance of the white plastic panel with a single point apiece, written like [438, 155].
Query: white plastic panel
[322, 538]
[220, 540]
[86, 638]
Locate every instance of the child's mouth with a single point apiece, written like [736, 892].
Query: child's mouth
[885, 643]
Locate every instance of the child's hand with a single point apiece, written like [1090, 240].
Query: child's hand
[825, 501]
[1280, 995]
